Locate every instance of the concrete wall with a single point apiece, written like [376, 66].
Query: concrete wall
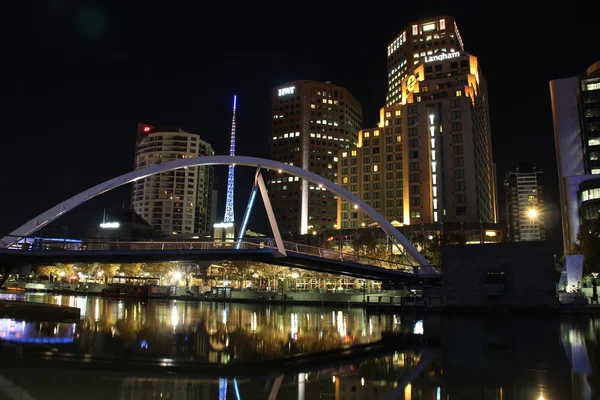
[499, 275]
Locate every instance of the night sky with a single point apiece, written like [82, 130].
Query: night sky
[77, 76]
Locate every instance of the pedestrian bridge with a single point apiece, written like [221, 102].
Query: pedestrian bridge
[275, 250]
[313, 258]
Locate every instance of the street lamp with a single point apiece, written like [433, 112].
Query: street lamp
[532, 213]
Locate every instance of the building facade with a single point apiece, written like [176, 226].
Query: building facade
[436, 38]
[429, 160]
[525, 216]
[175, 202]
[310, 122]
[576, 117]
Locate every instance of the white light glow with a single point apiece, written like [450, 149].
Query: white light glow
[224, 225]
[434, 178]
[431, 119]
[109, 225]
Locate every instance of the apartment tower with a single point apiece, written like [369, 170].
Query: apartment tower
[525, 216]
[176, 202]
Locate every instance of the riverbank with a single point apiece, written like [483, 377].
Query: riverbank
[39, 311]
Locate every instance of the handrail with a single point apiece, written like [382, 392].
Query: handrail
[204, 244]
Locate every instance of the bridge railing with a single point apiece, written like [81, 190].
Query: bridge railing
[35, 244]
[95, 244]
[344, 256]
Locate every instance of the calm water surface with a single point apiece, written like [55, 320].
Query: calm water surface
[497, 358]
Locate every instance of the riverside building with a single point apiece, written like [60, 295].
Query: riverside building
[310, 122]
[576, 115]
[175, 202]
[429, 159]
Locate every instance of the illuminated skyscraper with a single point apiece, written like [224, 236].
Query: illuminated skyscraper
[176, 202]
[310, 122]
[433, 37]
[429, 160]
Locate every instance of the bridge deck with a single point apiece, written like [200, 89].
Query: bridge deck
[297, 255]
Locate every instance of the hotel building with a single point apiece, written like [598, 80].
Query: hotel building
[310, 122]
[525, 216]
[576, 114]
[176, 202]
[429, 160]
[425, 38]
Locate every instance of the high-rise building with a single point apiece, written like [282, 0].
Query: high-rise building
[176, 202]
[436, 38]
[525, 216]
[429, 160]
[576, 112]
[310, 122]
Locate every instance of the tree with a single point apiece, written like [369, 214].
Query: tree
[589, 245]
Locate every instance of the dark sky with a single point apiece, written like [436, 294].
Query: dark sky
[77, 76]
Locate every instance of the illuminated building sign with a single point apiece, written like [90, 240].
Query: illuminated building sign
[109, 225]
[440, 57]
[287, 90]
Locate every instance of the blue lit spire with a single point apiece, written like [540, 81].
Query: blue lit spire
[230, 177]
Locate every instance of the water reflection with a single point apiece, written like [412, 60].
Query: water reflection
[495, 358]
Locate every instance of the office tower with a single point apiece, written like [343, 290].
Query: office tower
[436, 38]
[310, 122]
[176, 202]
[429, 160]
[525, 216]
[576, 114]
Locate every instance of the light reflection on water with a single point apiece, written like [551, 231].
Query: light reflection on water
[478, 358]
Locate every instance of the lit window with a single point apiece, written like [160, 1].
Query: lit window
[596, 171]
[312, 106]
[398, 139]
[594, 142]
[375, 133]
[375, 168]
[354, 153]
[429, 27]
[366, 134]
[458, 93]
[593, 86]
[398, 113]
[388, 114]
[415, 30]
[442, 24]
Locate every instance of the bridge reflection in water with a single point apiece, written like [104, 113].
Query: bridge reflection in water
[181, 350]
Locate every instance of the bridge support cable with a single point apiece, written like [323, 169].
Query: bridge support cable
[242, 230]
[269, 209]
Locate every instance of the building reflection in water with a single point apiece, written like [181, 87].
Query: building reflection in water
[496, 358]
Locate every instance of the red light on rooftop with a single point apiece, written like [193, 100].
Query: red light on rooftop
[146, 129]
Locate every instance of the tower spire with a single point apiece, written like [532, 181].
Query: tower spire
[230, 177]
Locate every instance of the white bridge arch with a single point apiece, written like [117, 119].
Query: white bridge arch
[60, 209]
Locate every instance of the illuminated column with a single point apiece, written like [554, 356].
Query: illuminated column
[436, 164]
[301, 385]
[230, 178]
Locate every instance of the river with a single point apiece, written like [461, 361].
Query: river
[127, 349]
